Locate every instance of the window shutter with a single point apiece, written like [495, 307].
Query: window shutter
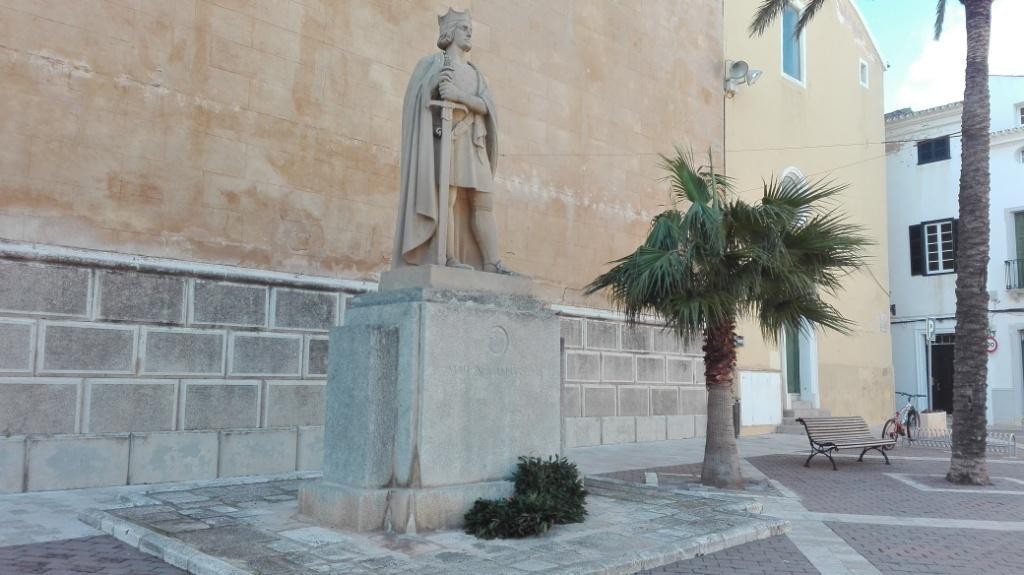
[916, 251]
[956, 241]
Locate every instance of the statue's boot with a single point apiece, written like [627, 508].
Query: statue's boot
[454, 263]
[499, 268]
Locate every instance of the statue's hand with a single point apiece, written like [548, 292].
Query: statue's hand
[450, 92]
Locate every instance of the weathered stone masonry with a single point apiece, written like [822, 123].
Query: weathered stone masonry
[117, 369]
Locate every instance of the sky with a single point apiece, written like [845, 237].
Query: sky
[923, 72]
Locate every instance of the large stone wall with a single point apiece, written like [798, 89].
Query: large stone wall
[112, 376]
[115, 371]
[625, 384]
[264, 133]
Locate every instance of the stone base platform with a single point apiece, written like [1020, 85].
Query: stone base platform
[254, 528]
[397, 510]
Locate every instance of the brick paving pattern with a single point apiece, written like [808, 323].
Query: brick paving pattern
[99, 555]
[902, 550]
[863, 488]
[775, 556]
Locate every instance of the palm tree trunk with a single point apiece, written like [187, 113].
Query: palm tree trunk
[721, 459]
[970, 372]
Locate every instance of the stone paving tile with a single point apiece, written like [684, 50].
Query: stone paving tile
[774, 556]
[99, 555]
[902, 550]
[865, 489]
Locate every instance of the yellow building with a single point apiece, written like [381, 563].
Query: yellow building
[815, 111]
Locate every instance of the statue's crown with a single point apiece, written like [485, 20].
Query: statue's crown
[451, 18]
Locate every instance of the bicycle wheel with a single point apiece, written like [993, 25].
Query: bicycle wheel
[913, 425]
[890, 429]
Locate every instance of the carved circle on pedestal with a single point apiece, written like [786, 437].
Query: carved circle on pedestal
[497, 341]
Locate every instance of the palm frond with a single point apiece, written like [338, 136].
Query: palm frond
[766, 13]
[805, 17]
[719, 258]
[940, 17]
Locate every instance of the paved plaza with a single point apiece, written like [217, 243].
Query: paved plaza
[866, 518]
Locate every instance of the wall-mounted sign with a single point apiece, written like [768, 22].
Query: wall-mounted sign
[991, 345]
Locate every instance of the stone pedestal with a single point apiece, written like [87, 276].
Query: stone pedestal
[433, 393]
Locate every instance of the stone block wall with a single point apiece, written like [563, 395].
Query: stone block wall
[115, 371]
[626, 384]
[116, 375]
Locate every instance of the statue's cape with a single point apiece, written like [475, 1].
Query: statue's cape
[418, 202]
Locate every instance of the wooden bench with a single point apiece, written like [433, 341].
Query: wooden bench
[830, 434]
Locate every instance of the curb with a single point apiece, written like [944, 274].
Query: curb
[162, 547]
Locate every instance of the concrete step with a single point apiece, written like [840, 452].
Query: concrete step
[796, 403]
[790, 428]
[805, 412]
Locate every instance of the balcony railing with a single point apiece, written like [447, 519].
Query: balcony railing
[1014, 274]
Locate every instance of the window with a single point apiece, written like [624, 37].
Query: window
[863, 73]
[792, 46]
[1020, 115]
[935, 150]
[933, 247]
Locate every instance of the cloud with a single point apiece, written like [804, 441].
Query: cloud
[936, 77]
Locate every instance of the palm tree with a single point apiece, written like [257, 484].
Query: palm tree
[970, 366]
[713, 259]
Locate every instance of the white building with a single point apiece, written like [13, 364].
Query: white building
[923, 175]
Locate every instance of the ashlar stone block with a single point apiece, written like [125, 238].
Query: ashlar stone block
[618, 430]
[665, 341]
[16, 345]
[316, 356]
[572, 332]
[582, 366]
[582, 431]
[651, 428]
[700, 425]
[266, 354]
[44, 289]
[220, 404]
[602, 334]
[311, 448]
[679, 370]
[305, 309]
[182, 352]
[636, 337]
[257, 452]
[221, 303]
[88, 348]
[617, 368]
[140, 297]
[598, 401]
[665, 401]
[633, 401]
[650, 369]
[680, 426]
[12, 464]
[693, 401]
[119, 405]
[173, 456]
[293, 403]
[572, 401]
[698, 371]
[38, 405]
[76, 461]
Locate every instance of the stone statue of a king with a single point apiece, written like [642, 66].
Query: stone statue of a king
[449, 154]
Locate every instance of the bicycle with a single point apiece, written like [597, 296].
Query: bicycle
[905, 422]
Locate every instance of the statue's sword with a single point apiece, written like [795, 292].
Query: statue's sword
[444, 176]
